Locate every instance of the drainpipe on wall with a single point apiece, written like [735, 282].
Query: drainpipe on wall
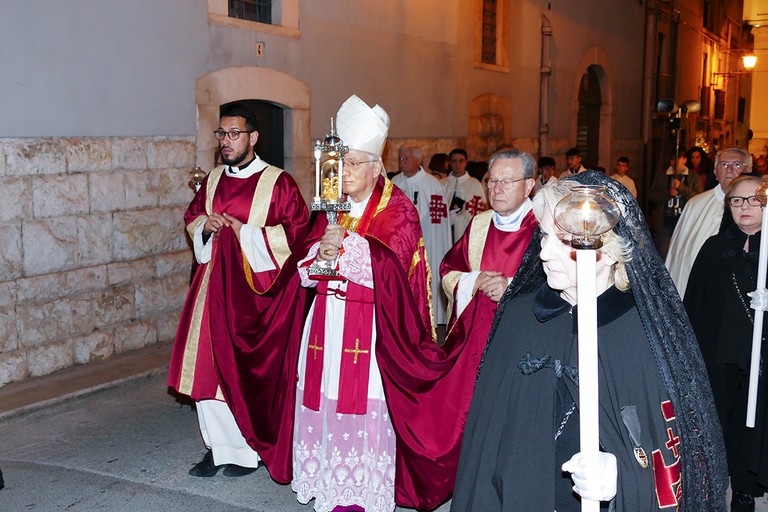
[546, 72]
[649, 106]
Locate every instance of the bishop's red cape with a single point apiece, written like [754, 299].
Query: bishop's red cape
[428, 388]
[231, 343]
[482, 247]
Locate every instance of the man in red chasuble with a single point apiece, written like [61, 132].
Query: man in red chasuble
[477, 270]
[245, 222]
[374, 389]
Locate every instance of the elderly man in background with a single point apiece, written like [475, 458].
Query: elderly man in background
[702, 215]
[477, 270]
[428, 196]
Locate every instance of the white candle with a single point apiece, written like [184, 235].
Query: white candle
[589, 409]
[757, 329]
[318, 153]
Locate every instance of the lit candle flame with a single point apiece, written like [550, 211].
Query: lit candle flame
[586, 211]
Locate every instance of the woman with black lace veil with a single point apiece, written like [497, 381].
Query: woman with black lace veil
[661, 444]
[717, 300]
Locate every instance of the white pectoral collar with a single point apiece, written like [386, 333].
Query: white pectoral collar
[719, 193]
[419, 174]
[358, 209]
[254, 166]
[512, 222]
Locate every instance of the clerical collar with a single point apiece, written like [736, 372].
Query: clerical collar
[358, 209]
[247, 169]
[611, 304]
[513, 221]
[421, 169]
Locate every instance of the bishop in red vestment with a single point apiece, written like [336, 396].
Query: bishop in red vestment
[380, 407]
[230, 353]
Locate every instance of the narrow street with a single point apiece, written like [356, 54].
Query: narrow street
[125, 448]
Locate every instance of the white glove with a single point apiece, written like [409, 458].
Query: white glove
[594, 475]
[759, 300]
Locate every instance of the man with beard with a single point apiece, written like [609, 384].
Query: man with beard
[245, 222]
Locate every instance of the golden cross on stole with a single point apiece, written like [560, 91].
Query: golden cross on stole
[356, 350]
[315, 347]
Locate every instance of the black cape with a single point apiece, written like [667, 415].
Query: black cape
[672, 343]
[509, 447]
[718, 305]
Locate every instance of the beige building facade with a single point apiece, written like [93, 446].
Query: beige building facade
[100, 130]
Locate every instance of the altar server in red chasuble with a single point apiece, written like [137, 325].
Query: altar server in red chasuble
[478, 269]
[245, 222]
[374, 388]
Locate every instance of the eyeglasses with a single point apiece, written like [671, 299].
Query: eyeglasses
[738, 201]
[736, 166]
[506, 183]
[232, 134]
[351, 164]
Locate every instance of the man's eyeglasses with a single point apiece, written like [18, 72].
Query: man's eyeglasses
[736, 166]
[738, 201]
[232, 134]
[506, 183]
[352, 164]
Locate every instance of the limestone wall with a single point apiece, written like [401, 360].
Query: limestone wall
[94, 259]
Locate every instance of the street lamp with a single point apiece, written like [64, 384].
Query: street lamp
[748, 60]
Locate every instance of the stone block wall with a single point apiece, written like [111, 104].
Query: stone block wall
[94, 257]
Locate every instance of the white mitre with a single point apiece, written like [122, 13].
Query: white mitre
[362, 127]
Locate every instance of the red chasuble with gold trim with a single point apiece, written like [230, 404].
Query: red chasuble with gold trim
[232, 341]
[484, 247]
[427, 387]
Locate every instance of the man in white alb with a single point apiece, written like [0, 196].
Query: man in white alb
[428, 196]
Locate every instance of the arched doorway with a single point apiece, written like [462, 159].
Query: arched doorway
[271, 144]
[282, 97]
[588, 118]
[592, 109]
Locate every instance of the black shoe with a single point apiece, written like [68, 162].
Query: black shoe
[235, 470]
[742, 502]
[205, 468]
[2, 482]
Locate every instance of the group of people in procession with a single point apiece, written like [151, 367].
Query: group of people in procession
[338, 385]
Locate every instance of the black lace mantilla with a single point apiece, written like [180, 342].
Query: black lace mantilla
[672, 342]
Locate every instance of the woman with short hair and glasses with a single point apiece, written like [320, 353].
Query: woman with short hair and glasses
[717, 301]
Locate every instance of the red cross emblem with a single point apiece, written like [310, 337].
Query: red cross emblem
[668, 478]
[475, 206]
[673, 442]
[437, 209]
